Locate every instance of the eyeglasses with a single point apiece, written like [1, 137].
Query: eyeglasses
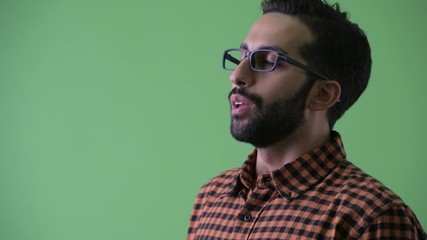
[261, 60]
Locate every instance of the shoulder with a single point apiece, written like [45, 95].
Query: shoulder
[363, 200]
[362, 188]
[224, 182]
[398, 221]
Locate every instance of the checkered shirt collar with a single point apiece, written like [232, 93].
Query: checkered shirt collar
[296, 177]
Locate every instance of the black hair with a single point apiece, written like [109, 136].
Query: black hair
[340, 49]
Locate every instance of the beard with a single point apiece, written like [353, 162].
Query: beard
[272, 122]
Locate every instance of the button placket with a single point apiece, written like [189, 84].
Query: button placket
[264, 182]
[247, 218]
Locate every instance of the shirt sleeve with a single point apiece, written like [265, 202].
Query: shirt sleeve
[398, 222]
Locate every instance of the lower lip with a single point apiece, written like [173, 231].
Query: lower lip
[241, 109]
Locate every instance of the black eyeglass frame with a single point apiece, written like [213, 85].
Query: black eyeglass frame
[280, 57]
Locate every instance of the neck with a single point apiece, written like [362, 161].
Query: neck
[289, 149]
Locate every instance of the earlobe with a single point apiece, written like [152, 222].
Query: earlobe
[325, 94]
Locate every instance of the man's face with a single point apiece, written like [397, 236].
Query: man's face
[267, 107]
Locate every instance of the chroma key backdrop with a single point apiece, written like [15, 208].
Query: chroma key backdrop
[114, 113]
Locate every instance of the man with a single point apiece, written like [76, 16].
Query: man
[301, 66]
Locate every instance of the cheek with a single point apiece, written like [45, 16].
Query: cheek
[279, 89]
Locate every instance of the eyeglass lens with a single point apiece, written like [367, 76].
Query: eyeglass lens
[263, 60]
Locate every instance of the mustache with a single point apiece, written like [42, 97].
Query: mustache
[255, 99]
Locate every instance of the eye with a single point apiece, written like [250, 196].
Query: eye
[264, 60]
[271, 57]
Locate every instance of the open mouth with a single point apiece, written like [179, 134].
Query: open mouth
[239, 104]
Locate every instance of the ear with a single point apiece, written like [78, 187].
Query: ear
[324, 95]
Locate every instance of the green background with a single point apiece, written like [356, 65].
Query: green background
[114, 113]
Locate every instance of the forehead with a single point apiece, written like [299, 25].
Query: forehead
[278, 30]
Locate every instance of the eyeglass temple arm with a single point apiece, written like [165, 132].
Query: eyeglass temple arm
[232, 59]
[302, 66]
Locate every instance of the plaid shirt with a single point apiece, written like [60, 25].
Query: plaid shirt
[320, 195]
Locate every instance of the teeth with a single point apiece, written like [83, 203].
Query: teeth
[238, 103]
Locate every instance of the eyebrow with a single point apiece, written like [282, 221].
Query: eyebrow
[266, 47]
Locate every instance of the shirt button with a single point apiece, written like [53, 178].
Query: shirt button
[247, 218]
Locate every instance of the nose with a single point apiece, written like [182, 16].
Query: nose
[242, 75]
